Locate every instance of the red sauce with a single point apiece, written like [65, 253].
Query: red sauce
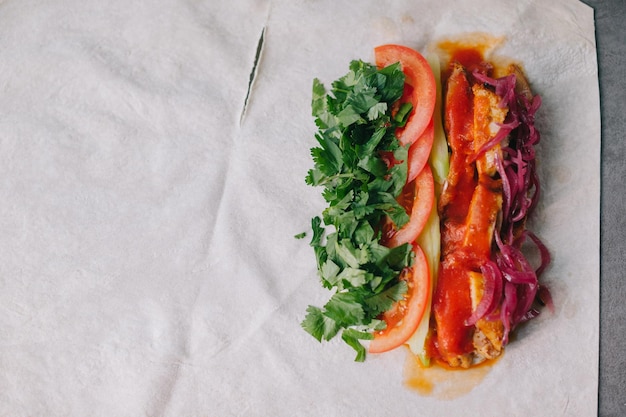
[452, 305]
[442, 381]
[470, 50]
[470, 58]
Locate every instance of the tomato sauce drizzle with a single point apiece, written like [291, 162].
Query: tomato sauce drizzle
[450, 337]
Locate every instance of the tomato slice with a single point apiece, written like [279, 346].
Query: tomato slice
[420, 151]
[420, 91]
[404, 317]
[417, 197]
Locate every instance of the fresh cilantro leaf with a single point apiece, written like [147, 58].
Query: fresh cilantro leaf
[375, 111]
[400, 256]
[390, 82]
[352, 337]
[316, 242]
[395, 258]
[331, 239]
[328, 121]
[355, 277]
[318, 103]
[372, 141]
[315, 177]
[347, 224]
[373, 164]
[318, 231]
[362, 100]
[345, 309]
[377, 325]
[329, 272]
[363, 210]
[300, 235]
[328, 158]
[364, 233]
[349, 254]
[393, 209]
[348, 116]
[338, 206]
[356, 130]
[397, 178]
[383, 301]
[319, 325]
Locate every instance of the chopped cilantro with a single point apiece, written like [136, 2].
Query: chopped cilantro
[355, 130]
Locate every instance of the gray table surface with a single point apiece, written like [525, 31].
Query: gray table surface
[610, 16]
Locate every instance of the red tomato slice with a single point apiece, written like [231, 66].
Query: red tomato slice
[418, 196]
[420, 151]
[405, 315]
[420, 88]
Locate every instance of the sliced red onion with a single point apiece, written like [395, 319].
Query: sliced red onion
[506, 185]
[520, 277]
[508, 307]
[536, 193]
[526, 297]
[504, 131]
[517, 279]
[544, 253]
[492, 292]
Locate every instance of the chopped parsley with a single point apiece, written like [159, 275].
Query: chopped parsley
[356, 122]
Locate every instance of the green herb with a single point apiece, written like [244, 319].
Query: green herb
[300, 235]
[355, 133]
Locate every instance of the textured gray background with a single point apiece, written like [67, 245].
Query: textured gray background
[610, 16]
